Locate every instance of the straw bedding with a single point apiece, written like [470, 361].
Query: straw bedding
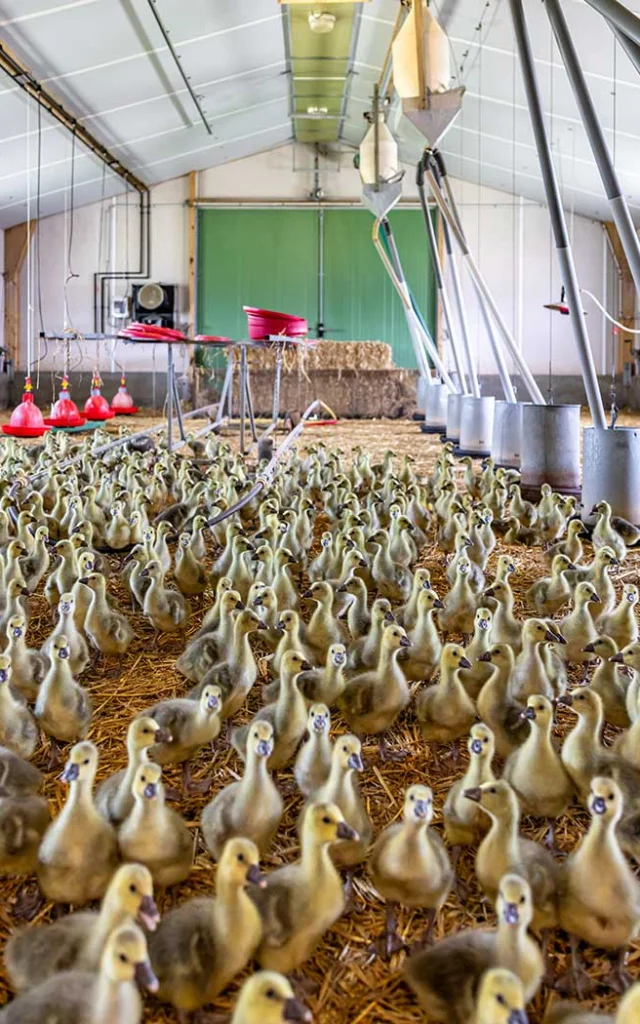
[351, 988]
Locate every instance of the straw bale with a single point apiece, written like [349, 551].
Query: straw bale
[326, 355]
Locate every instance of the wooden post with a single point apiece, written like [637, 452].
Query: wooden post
[628, 297]
[16, 245]
[193, 216]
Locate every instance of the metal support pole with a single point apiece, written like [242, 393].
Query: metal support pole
[169, 394]
[276, 385]
[320, 324]
[556, 213]
[401, 285]
[617, 202]
[437, 271]
[620, 16]
[226, 387]
[485, 298]
[243, 393]
[461, 310]
[252, 419]
[176, 396]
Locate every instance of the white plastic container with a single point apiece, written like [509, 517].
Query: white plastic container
[437, 57]
[388, 154]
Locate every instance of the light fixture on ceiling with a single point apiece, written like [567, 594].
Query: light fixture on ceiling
[321, 22]
[317, 111]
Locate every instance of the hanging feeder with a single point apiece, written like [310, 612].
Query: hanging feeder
[422, 74]
[65, 413]
[96, 407]
[26, 419]
[122, 402]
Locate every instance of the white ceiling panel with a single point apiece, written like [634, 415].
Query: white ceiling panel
[109, 64]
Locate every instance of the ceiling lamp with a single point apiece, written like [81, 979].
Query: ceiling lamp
[321, 22]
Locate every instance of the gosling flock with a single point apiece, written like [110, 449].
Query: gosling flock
[306, 623]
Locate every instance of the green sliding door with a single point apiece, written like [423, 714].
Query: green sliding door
[269, 258]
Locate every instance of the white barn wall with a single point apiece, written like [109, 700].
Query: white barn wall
[498, 226]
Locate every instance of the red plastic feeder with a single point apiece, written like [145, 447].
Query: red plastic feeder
[65, 412]
[263, 322]
[26, 419]
[122, 402]
[96, 407]
[211, 339]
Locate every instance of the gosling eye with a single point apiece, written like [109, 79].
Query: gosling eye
[86, 760]
[270, 993]
[493, 790]
[326, 820]
[123, 959]
[241, 858]
[500, 999]
[132, 888]
[523, 899]
[610, 796]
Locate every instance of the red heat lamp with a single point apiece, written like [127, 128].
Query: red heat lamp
[96, 407]
[559, 307]
[65, 413]
[122, 402]
[26, 419]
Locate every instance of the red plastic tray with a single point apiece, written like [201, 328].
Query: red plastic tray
[24, 431]
[131, 411]
[263, 322]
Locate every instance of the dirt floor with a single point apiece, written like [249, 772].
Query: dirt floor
[351, 986]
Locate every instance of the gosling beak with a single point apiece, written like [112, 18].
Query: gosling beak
[510, 913]
[256, 877]
[261, 625]
[476, 746]
[213, 702]
[163, 736]
[280, 626]
[24, 592]
[485, 657]
[594, 599]
[405, 641]
[63, 653]
[144, 574]
[355, 762]
[517, 1017]
[307, 593]
[240, 606]
[474, 794]
[294, 1010]
[438, 603]
[389, 617]
[148, 913]
[598, 805]
[421, 809]
[319, 723]
[529, 714]
[489, 592]
[345, 831]
[306, 666]
[362, 563]
[71, 773]
[150, 790]
[258, 603]
[618, 658]
[465, 663]
[589, 649]
[145, 977]
[339, 659]
[263, 748]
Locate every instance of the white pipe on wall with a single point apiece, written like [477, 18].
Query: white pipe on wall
[520, 278]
